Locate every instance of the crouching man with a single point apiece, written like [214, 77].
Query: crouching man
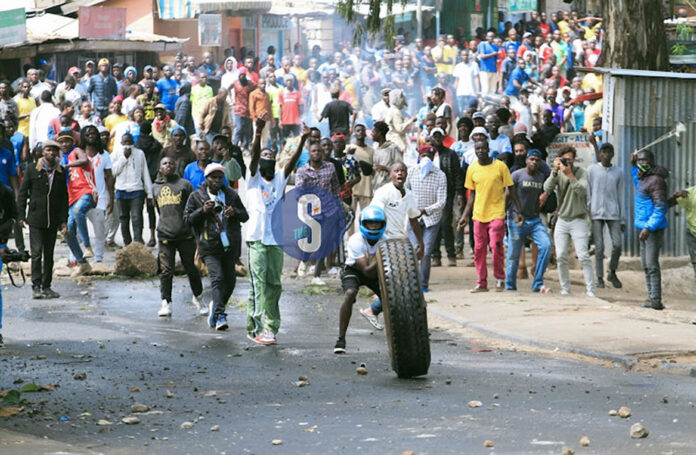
[361, 266]
[216, 212]
[171, 193]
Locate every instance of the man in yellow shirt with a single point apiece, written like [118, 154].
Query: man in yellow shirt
[489, 182]
[26, 105]
[687, 201]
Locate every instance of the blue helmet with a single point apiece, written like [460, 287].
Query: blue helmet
[373, 213]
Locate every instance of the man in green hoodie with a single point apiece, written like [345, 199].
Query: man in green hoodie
[570, 183]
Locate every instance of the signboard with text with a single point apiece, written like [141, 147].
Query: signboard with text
[580, 141]
[522, 6]
[210, 30]
[13, 26]
[102, 23]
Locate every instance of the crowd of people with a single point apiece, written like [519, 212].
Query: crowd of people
[426, 142]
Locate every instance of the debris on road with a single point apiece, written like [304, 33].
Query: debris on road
[130, 420]
[638, 431]
[624, 412]
[584, 441]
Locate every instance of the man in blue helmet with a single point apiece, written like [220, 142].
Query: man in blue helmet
[360, 267]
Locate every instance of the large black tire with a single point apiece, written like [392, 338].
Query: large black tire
[405, 315]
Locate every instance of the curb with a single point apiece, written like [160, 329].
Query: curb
[626, 362]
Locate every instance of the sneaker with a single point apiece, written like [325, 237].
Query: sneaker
[372, 319]
[112, 245]
[221, 323]
[82, 269]
[334, 271]
[544, 290]
[657, 307]
[88, 253]
[50, 293]
[451, 262]
[165, 310]
[265, 337]
[252, 337]
[200, 307]
[614, 280]
[436, 262]
[38, 294]
[600, 283]
[301, 269]
[316, 281]
[340, 346]
[499, 285]
[311, 270]
[591, 294]
[211, 315]
[565, 292]
[478, 288]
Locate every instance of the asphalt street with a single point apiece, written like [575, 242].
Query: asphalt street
[104, 349]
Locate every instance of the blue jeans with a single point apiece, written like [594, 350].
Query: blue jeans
[429, 240]
[77, 224]
[242, 131]
[517, 235]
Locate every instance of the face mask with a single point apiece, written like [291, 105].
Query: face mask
[520, 161]
[267, 168]
[644, 167]
[127, 148]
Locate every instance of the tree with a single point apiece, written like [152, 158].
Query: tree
[373, 22]
[635, 35]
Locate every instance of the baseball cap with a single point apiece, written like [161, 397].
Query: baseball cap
[478, 130]
[214, 167]
[385, 91]
[103, 61]
[426, 149]
[73, 69]
[64, 135]
[437, 130]
[478, 115]
[89, 63]
[527, 35]
[339, 136]
[148, 68]
[161, 106]
[243, 70]
[520, 128]
[534, 152]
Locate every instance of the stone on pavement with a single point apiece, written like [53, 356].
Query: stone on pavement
[638, 431]
[624, 412]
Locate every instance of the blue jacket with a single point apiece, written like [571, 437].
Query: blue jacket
[651, 198]
[101, 91]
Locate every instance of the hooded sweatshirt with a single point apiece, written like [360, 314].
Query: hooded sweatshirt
[170, 195]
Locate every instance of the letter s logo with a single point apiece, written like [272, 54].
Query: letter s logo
[303, 203]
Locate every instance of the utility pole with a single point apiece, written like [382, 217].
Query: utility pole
[419, 18]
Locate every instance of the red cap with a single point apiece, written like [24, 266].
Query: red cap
[243, 70]
[426, 149]
[339, 136]
[72, 69]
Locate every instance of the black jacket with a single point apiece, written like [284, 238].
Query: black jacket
[449, 164]
[170, 199]
[206, 228]
[48, 204]
[8, 212]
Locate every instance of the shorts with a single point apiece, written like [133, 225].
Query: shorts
[352, 278]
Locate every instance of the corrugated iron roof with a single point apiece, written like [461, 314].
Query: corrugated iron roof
[619, 72]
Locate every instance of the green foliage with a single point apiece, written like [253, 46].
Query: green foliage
[684, 32]
[678, 49]
[373, 23]
[11, 397]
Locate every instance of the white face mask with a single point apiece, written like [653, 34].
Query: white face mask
[127, 148]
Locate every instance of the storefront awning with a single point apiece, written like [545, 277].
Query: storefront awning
[254, 6]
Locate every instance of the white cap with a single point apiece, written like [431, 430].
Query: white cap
[437, 130]
[478, 130]
[214, 167]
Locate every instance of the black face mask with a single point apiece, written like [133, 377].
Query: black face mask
[520, 161]
[267, 168]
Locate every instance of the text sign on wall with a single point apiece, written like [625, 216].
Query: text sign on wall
[579, 141]
[268, 22]
[522, 6]
[102, 23]
[13, 26]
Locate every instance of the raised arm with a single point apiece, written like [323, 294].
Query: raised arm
[256, 147]
[292, 162]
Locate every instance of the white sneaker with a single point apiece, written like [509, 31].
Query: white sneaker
[334, 271]
[565, 292]
[301, 269]
[311, 270]
[318, 281]
[196, 301]
[204, 310]
[165, 309]
[591, 294]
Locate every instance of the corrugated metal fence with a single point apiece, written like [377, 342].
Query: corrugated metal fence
[647, 106]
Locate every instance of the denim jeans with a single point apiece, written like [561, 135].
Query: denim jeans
[577, 230]
[517, 235]
[77, 224]
[446, 231]
[429, 239]
[650, 260]
[242, 131]
[598, 235]
[131, 210]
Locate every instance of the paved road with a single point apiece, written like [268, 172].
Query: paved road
[530, 404]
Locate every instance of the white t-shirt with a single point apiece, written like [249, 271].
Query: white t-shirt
[397, 209]
[359, 247]
[262, 198]
[465, 73]
[100, 162]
